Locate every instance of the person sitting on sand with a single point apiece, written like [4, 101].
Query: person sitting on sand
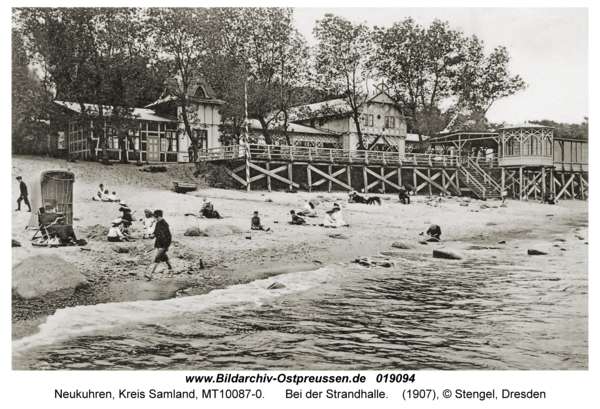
[127, 219]
[208, 211]
[149, 224]
[404, 196]
[115, 234]
[336, 216]
[434, 231]
[64, 232]
[113, 197]
[256, 223]
[328, 220]
[99, 193]
[309, 209]
[297, 220]
[550, 198]
[162, 243]
[504, 194]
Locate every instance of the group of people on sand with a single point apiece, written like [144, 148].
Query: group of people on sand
[104, 195]
[333, 217]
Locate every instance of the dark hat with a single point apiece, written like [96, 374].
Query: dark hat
[292, 212]
[255, 212]
[158, 213]
[19, 177]
[124, 209]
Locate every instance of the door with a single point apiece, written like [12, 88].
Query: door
[153, 152]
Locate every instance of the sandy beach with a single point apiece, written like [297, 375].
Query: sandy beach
[250, 255]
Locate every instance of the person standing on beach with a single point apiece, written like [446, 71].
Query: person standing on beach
[162, 243]
[23, 196]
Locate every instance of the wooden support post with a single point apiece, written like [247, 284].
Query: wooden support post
[349, 172]
[581, 187]
[521, 183]
[444, 180]
[429, 176]
[383, 176]
[290, 174]
[399, 176]
[329, 187]
[543, 184]
[268, 177]
[534, 189]
[247, 175]
[503, 180]
[552, 189]
[366, 183]
[415, 180]
[573, 187]
[308, 179]
[562, 177]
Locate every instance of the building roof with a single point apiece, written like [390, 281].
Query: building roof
[142, 114]
[526, 125]
[297, 128]
[339, 105]
[413, 137]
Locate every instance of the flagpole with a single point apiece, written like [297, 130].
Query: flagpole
[247, 153]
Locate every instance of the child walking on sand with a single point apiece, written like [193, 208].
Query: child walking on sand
[162, 243]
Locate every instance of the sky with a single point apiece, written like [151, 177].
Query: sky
[548, 49]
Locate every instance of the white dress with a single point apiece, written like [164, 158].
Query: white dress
[328, 221]
[337, 219]
[149, 225]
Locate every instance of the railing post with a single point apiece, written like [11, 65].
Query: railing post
[430, 164]
[331, 155]
[269, 152]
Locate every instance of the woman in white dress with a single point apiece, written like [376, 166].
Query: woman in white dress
[337, 217]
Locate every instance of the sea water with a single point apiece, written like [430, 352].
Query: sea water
[498, 311]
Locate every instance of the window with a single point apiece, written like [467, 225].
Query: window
[512, 147]
[392, 122]
[202, 135]
[370, 120]
[171, 140]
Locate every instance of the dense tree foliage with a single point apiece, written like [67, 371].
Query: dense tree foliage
[257, 63]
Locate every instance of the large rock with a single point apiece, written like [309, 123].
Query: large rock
[193, 232]
[535, 252]
[217, 231]
[338, 236]
[448, 254]
[15, 243]
[402, 245]
[276, 286]
[235, 229]
[46, 276]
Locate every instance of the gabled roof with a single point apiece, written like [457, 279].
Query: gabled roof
[526, 125]
[297, 128]
[340, 106]
[141, 114]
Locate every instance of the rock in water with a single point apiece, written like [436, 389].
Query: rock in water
[275, 286]
[402, 245]
[534, 252]
[15, 243]
[192, 231]
[46, 276]
[448, 254]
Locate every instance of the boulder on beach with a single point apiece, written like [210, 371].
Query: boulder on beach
[447, 254]
[503, 205]
[402, 245]
[535, 252]
[217, 231]
[338, 236]
[464, 204]
[15, 243]
[46, 276]
[193, 232]
[275, 286]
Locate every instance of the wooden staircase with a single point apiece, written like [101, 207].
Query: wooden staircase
[483, 186]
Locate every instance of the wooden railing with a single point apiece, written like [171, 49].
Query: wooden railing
[306, 154]
[470, 179]
[486, 178]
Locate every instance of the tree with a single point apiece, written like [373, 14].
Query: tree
[94, 56]
[481, 81]
[29, 102]
[341, 57]
[419, 65]
[255, 55]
